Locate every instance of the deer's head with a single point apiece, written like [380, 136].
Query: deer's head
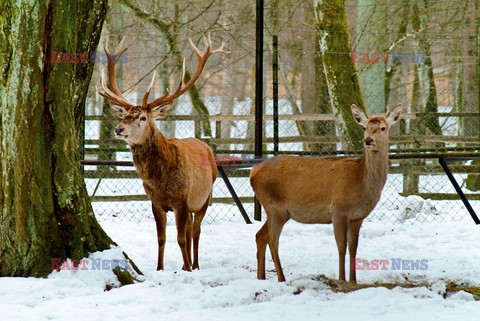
[376, 127]
[138, 122]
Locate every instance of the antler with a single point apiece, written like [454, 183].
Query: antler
[182, 87]
[115, 95]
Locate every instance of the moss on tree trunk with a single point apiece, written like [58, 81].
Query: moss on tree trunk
[342, 79]
[44, 207]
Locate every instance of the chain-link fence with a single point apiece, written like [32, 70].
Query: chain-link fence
[404, 59]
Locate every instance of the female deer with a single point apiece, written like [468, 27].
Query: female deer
[342, 191]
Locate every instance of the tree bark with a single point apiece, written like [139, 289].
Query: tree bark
[411, 180]
[397, 76]
[44, 206]
[228, 79]
[314, 91]
[427, 79]
[372, 21]
[471, 81]
[309, 96]
[471, 86]
[340, 73]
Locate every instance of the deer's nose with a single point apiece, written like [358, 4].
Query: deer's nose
[368, 141]
[118, 131]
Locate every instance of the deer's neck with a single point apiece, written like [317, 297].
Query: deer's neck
[155, 151]
[375, 169]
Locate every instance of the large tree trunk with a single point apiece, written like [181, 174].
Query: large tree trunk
[44, 206]
[341, 76]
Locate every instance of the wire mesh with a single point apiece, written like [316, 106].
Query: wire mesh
[427, 69]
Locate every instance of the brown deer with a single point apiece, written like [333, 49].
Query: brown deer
[171, 169]
[342, 191]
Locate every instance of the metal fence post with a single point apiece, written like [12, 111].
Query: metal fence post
[274, 8]
[259, 94]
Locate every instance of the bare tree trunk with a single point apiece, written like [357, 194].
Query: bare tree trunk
[44, 205]
[327, 127]
[410, 180]
[228, 100]
[308, 94]
[470, 71]
[396, 76]
[471, 82]
[228, 81]
[314, 91]
[371, 23]
[341, 76]
[396, 91]
[250, 128]
[426, 70]
[301, 125]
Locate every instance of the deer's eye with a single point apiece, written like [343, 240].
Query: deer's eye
[383, 129]
[143, 118]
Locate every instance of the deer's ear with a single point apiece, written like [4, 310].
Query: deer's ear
[161, 111]
[394, 115]
[359, 116]
[119, 111]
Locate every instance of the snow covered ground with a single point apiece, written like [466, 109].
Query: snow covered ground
[226, 286]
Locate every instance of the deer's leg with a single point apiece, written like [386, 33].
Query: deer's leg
[352, 238]
[188, 235]
[340, 228]
[196, 229]
[262, 240]
[181, 218]
[161, 222]
[275, 226]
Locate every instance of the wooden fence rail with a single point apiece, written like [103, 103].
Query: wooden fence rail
[469, 145]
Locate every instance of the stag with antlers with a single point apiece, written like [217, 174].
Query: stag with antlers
[171, 169]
